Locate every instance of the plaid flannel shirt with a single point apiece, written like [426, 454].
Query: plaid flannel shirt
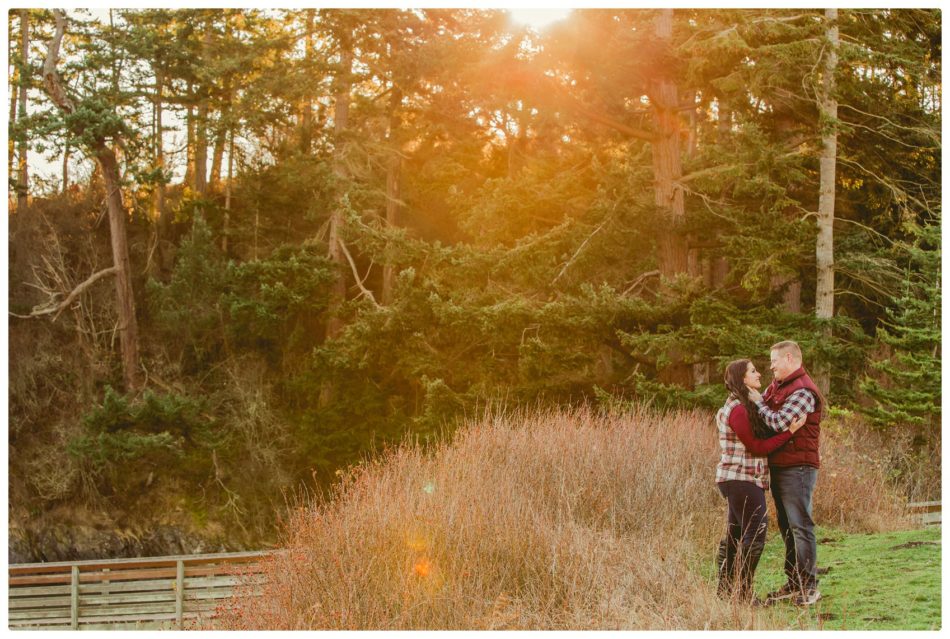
[735, 462]
[799, 403]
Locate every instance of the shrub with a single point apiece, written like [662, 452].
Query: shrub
[123, 440]
[103, 450]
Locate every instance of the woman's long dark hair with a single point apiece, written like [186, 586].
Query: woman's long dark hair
[735, 373]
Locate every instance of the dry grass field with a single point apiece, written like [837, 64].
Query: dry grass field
[545, 519]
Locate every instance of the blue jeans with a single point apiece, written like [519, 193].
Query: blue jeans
[792, 488]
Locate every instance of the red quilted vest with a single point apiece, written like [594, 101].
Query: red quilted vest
[802, 448]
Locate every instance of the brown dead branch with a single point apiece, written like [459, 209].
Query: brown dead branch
[54, 87]
[356, 276]
[639, 281]
[51, 308]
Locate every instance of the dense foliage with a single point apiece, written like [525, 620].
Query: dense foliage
[349, 226]
[905, 382]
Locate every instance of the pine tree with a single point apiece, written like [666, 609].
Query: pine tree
[102, 132]
[905, 384]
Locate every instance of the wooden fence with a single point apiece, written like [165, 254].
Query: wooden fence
[927, 512]
[141, 593]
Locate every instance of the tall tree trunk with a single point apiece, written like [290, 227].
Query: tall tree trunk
[23, 177]
[221, 136]
[667, 168]
[224, 117]
[157, 232]
[201, 125]
[341, 114]
[692, 138]
[306, 117]
[792, 293]
[217, 157]
[163, 217]
[125, 299]
[392, 190]
[257, 226]
[11, 142]
[227, 196]
[67, 150]
[724, 122]
[824, 247]
[105, 158]
[672, 246]
[201, 147]
[190, 138]
[20, 242]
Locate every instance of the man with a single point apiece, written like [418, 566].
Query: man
[793, 468]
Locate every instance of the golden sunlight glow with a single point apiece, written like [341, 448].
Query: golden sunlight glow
[538, 19]
[422, 567]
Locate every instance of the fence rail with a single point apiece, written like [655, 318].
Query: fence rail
[927, 512]
[139, 593]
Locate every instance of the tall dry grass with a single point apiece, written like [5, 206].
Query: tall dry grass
[857, 489]
[545, 519]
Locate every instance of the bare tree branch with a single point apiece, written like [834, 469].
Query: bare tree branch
[577, 252]
[640, 280]
[356, 276]
[901, 196]
[933, 134]
[54, 86]
[49, 309]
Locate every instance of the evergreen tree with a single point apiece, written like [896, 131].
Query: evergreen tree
[95, 122]
[905, 383]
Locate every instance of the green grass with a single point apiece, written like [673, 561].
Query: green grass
[884, 581]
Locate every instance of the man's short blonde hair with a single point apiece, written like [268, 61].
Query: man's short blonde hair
[788, 346]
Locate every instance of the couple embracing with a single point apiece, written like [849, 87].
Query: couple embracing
[769, 440]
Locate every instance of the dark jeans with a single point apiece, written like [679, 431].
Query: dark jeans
[740, 549]
[792, 488]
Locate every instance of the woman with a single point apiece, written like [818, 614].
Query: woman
[742, 476]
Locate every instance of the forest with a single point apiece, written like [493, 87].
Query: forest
[250, 249]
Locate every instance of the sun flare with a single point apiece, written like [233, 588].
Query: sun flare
[538, 19]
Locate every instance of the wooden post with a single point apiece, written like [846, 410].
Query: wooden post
[74, 599]
[180, 594]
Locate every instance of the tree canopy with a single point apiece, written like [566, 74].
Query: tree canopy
[346, 226]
